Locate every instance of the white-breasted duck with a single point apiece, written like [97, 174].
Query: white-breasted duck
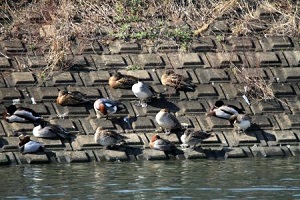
[108, 138]
[167, 121]
[26, 145]
[20, 114]
[106, 107]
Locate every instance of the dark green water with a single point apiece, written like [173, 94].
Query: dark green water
[199, 179]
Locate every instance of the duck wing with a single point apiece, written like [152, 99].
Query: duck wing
[59, 131]
[126, 82]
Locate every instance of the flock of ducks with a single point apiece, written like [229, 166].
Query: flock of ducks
[108, 107]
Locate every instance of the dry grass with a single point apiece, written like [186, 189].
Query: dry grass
[61, 28]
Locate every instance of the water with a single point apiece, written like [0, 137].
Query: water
[275, 178]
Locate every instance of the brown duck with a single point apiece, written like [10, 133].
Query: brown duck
[122, 81]
[71, 98]
[177, 81]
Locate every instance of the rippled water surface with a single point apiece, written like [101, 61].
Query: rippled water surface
[189, 179]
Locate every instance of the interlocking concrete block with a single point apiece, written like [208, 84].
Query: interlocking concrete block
[110, 155]
[13, 46]
[20, 78]
[293, 58]
[266, 59]
[143, 124]
[287, 74]
[51, 144]
[191, 107]
[284, 90]
[90, 125]
[288, 121]
[12, 129]
[4, 63]
[83, 142]
[241, 44]
[224, 59]
[150, 154]
[70, 111]
[264, 121]
[114, 60]
[4, 160]
[91, 47]
[122, 94]
[277, 43]
[168, 46]
[250, 138]
[191, 60]
[10, 94]
[125, 47]
[235, 153]
[216, 123]
[133, 139]
[41, 109]
[37, 61]
[43, 93]
[35, 158]
[215, 75]
[205, 44]
[71, 125]
[254, 73]
[9, 143]
[148, 61]
[206, 91]
[219, 27]
[232, 91]
[194, 154]
[95, 78]
[173, 138]
[295, 150]
[268, 107]
[76, 156]
[284, 137]
[65, 78]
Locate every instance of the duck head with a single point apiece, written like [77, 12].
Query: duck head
[219, 103]
[11, 109]
[154, 138]
[23, 139]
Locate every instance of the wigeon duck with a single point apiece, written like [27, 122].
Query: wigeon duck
[177, 81]
[71, 98]
[161, 144]
[191, 138]
[47, 130]
[26, 145]
[20, 114]
[122, 81]
[167, 121]
[144, 92]
[106, 106]
[108, 138]
[241, 121]
[223, 111]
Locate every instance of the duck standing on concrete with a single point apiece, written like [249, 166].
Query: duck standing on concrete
[71, 98]
[144, 92]
[240, 121]
[223, 111]
[108, 138]
[20, 114]
[161, 144]
[177, 81]
[47, 130]
[167, 121]
[191, 138]
[26, 145]
[106, 106]
[122, 81]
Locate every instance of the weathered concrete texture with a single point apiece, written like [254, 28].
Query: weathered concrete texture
[275, 130]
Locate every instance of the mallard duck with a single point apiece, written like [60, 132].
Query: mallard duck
[161, 144]
[144, 92]
[241, 121]
[108, 138]
[20, 114]
[26, 145]
[223, 111]
[47, 130]
[167, 121]
[106, 106]
[122, 81]
[71, 98]
[191, 138]
[177, 81]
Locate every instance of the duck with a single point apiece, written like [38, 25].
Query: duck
[240, 121]
[26, 145]
[167, 121]
[20, 114]
[143, 92]
[108, 138]
[191, 138]
[122, 81]
[223, 111]
[71, 98]
[177, 81]
[158, 143]
[106, 106]
[46, 130]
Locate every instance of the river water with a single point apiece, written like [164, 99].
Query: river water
[272, 178]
